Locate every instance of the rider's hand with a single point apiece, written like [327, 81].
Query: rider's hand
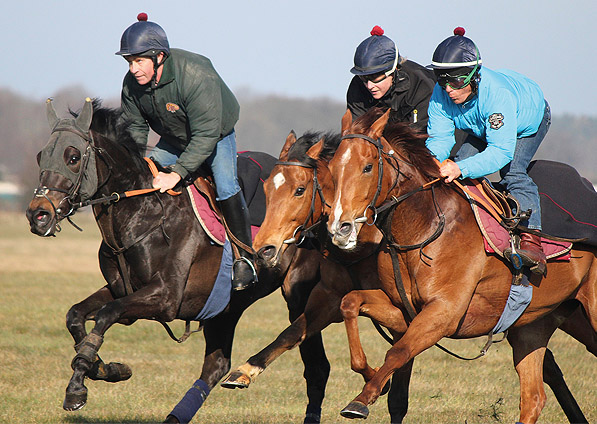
[166, 181]
[450, 170]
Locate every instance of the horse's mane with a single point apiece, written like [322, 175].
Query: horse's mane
[298, 151]
[402, 137]
[111, 124]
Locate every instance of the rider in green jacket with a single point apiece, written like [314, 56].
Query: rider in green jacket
[180, 96]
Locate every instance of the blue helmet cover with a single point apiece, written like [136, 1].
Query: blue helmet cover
[375, 54]
[456, 51]
[144, 38]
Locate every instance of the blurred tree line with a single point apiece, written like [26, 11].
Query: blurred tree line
[264, 123]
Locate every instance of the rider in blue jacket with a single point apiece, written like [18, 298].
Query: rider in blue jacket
[509, 116]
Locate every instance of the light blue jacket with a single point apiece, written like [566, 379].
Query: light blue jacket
[507, 106]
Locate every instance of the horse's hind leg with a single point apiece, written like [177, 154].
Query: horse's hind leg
[529, 349]
[554, 378]
[219, 333]
[398, 395]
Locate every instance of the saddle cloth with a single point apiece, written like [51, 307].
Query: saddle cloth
[496, 238]
[212, 224]
[210, 219]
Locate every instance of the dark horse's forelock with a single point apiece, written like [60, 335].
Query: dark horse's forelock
[298, 151]
[111, 124]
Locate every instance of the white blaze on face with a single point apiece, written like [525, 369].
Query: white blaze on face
[337, 213]
[279, 180]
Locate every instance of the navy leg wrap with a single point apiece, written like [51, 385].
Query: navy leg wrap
[191, 402]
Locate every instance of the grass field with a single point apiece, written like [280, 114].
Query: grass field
[41, 278]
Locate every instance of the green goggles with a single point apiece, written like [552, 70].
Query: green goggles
[456, 82]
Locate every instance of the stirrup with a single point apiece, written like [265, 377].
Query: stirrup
[236, 285]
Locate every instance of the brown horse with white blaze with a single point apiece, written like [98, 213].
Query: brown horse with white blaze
[455, 288]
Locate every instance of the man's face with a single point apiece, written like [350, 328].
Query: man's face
[141, 68]
[459, 96]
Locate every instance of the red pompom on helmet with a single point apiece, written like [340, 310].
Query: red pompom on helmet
[459, 31]
[142, 16]
[377, 30]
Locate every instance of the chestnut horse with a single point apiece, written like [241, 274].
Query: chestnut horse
[295, 194]
[455, 288]
[156, 258]
[295, 197]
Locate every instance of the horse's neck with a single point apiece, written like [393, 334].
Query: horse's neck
[117, 171]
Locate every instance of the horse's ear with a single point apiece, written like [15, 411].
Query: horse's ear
[346, 122]
[51, 114]
[378, 126]
[290, 140]
[315, 150]
[83, 121]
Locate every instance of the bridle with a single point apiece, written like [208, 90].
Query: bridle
[298, 235]
[394, 162]
[73, 191]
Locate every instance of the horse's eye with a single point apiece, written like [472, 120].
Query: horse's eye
[74, 159]
[367, 168]
[299, 191]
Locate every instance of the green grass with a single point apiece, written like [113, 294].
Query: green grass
[41, 278]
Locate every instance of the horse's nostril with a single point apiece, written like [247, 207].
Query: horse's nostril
[345, 229]
[267, 252]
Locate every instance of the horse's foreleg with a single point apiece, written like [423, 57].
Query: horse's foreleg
[423, 332]
[554, 378]
[376, 305]
[140, 304]
[76, 318]
[316, 374]
[322, 309]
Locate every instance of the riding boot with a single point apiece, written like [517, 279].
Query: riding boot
[532, 253]
[236, 215]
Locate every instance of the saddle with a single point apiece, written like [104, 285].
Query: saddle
[496, 220]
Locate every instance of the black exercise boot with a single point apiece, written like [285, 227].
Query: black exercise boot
[236, 215]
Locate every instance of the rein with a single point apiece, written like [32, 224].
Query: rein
[115, 197]
[393, 247]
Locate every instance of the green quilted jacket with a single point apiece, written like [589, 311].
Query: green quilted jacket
[191, 108]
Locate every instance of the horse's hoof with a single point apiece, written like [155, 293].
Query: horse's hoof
[355, 410]
[236, 380]
[112, 372]
[74, 401]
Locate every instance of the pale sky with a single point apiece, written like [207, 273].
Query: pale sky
[298, 48]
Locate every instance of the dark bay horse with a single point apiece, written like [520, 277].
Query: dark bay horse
[296, 194]
[453, 286]
[157, 260]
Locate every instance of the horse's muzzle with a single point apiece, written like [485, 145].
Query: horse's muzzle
[41, 222]
[345, 235]
[268, 256]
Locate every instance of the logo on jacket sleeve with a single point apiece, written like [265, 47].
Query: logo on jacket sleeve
[496, 121]
[172, 107]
